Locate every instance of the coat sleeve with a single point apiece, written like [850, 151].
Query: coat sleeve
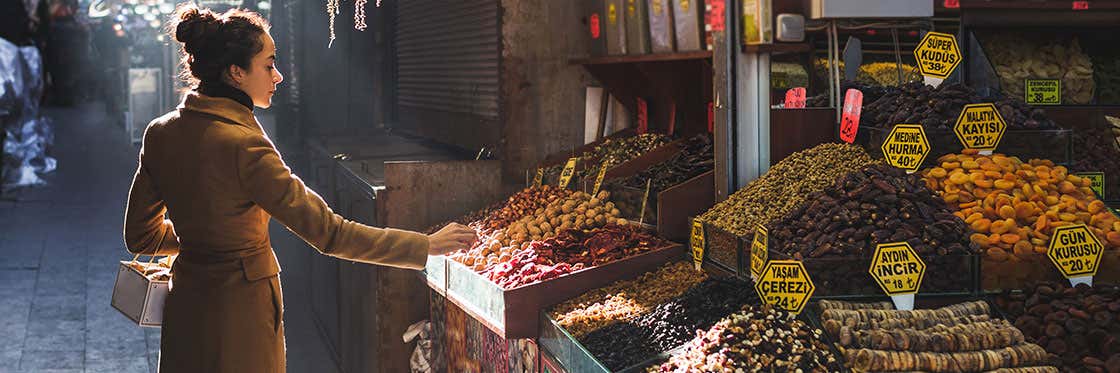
[270, 184]
[146, 231]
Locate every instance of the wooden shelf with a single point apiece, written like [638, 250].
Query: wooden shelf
[679, 56]
[778, 48]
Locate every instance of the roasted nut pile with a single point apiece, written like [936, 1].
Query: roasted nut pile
[1097, 149]
[524, 203]
[670, 324]
[1014, 207]
[570, 251]
[625, 300]
[756, 339]
[614, 152]
[939, 108]
[1017, 57]
[958, 338]
[1079, 325]
[878, 204]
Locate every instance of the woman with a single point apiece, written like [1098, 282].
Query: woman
[214, 172]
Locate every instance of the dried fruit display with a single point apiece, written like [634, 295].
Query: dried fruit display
[570, 251]
[694, 159]
[670, 324]
[1017, 57]
[1014, 207]
[625, 300]
[782, 189]
[939, 108]
[1079, 325]
[758, 338]
[784, 75]
[886, 73]
[878, 204]
[1097, 149]
[524, 203]
[561, 211]
[957, 338]
[871, 92]
[613, 152]
[1106, 71]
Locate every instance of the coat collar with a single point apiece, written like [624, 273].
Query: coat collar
[221, 107]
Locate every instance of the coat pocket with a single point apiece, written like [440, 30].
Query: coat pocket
[277, 304]
[260, 266]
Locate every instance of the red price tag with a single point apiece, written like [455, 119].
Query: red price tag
[594, 23]
[711, 117]
[849, 122]
[952, 4]
[1080, 5]
[715, 15]
[643, 116]
[795, 98]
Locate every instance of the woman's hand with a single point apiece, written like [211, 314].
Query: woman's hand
[453, 237]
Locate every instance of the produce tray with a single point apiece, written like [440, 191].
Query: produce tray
[558, 344]
[435, 274]
[725, 250]
[513, 313]
[848, 277]
[1054, 145]
[670, 209]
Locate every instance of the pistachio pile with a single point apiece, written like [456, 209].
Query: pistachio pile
[625, 300]
[756, 339]
[1014, 207]
[1079, 325]
[957, 338]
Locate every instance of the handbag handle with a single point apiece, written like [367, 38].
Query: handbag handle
[150, 261]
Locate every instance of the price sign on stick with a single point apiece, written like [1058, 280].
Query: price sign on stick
[538, 179]
[599, 178]
[795, 98]
[906, 147]
[786, 284]
[938, 55]
[569, 170]
[696, 242]
[899, 272]
[645, 199]
[849, 122]
[980, 126]
[759, 254]
[1076, 251]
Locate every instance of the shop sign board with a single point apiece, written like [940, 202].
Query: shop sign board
[1076, 252]
[1044, 92]
[759, 254]
[786, 284]
[696, 242]
[897, 268]
[566, 174]
[938, 55]
[906, 147]
[1097, 182]
[980, 127]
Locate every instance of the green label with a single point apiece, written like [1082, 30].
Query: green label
[1044, 91]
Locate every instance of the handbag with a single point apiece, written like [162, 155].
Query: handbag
[141, 290]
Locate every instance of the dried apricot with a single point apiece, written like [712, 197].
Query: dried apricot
[1007, 212]
[986, 184]
[950, 165]
[1004, 184]
[970, 164]
[1009, 238]
[981, 225]
[1113, 238]
[938, 172]
[1023, 248]
[997, 254]
[979, 239]
[1096, 206]
[958, 178]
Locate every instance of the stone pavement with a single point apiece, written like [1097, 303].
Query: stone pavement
[59, 250]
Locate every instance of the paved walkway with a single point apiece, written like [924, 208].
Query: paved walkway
[59, 247]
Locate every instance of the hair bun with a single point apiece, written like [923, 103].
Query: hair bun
[194, 26]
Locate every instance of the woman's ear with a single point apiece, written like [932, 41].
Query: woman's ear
[236, 75]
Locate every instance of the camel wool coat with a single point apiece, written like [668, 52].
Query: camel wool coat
[211, 169]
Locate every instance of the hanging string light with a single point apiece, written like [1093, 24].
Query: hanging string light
[360, 14]
[332, 10]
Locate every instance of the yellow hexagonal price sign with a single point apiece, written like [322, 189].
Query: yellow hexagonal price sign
[906, 147]
[897, 268]
[785, 284]
[1075, 250]
[980, 126]
[938, 55]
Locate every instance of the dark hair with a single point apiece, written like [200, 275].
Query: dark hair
[213, 42]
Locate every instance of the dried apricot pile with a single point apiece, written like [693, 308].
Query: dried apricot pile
[1014, 206]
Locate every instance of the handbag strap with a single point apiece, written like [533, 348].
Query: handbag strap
[150, 261]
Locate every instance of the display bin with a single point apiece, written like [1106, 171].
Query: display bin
[1025, 144]
[513, 313]
[669, 209]
[848, 277]
[1019, 271]
[435, 274]
[565, 350]
[723, 249]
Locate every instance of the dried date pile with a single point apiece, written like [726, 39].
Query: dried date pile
[939, 108]
[570, 251]
[670, 324]
[957, 338]
[694, 159]
[878, 204]
[1079, 325]
[756, 339]
[625, 300]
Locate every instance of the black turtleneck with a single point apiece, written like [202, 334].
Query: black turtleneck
[226, 91]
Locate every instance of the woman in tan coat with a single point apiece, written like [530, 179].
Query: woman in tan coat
[217, 177]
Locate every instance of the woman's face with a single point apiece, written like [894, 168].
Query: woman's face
[262, 77]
